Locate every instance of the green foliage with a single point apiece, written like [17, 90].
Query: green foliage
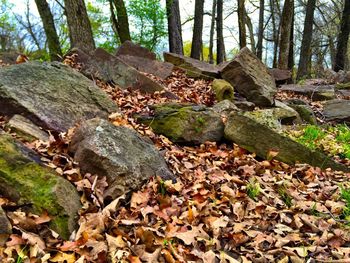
[205, 51]
[312, 135]
[253, 189]
[287, 199]
[345, 195]
[9, 37]
[147, 22]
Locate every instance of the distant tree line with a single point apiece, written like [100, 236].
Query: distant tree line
[301, 35]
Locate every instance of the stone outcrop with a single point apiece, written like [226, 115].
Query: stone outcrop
[250, 77]
[37, 188]
[305, 111]
[193, 67]
[119, 153]
[281, 76]
[260, 139]
[104, 66]
[194, 124]
[51, 95]
[223, 90]
[128, 48]
[314, 92]
[337, 110]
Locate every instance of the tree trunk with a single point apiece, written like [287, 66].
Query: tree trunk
[50, 30]
[212, 29]
[121, 22]
[291, 46]
[251, 31]
[259, 47]
[305, 49]
[241, 24]
[343, 38]
[196, 48]
[220, 44]
[274, 11]
[174, 26]
[79, 25]
[285, 29]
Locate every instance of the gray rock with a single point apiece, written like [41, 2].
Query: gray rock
[195, 67]
[244, 105]
[26, 129]
[223, 90]
[38, 188]
[337, 110]
[314, 92]
[51, 95]
[260, 139]
[250, 77]
[128, 48]
[281, 75]
[119, 153]
[186, 124]
[225, 107]
[5, 227]
[305, 111]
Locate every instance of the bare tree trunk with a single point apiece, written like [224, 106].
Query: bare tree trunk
[305, 49]
[343, 38]
[79, 25]
[274, 10]
[251, 31]
[220, 56]
[285, 29]
[259, 47]
[212, 30]
[121, 21]
[291, 46]
[174, 26]
[50, 30]
[196, 48]
[241, 24]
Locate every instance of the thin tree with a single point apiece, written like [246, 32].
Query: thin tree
[241, 24]
[305, 49]
[50, 30]
[285, 31]
[343, 38]
[196, 48]
[291, 45]
[212, 29]
[220, 49]
[80, 31]
[120, 22]
[174, 26]
[259, 46]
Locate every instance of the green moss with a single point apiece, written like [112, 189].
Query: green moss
[343, 85]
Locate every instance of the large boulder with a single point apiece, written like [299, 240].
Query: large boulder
[261, 139]
[37, 188]
[250, 77]
[194, 67]
[281, 76]
[104, 66]
[337, 110]
[52, 95]
[194, 124]
[304, 109]
[128, 48]
[314, 92]
[119, 153]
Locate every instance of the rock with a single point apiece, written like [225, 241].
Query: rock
[225, 107]
[51, 95]
[38, 188]
[26, 129]
[305, 111]
[193, 66]
[5, 227]
[250, 77]
[342, 86]
[157, 68]
[223, 90]
[281, 76]
[314, 92]
[129, 48]
[337, 110]
[186, 124]
[244, 105]
[106, 67]
[119, 153]
[260, 139]
[9, 57]
[342, 77]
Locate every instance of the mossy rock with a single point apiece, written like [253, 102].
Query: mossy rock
[38, 188]
[340, 86]
[223, 90]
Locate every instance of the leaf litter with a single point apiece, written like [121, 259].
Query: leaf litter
[207, 215]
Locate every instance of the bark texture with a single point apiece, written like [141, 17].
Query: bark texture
[220, 56]
[196, 48]
[174, 27]
[79, 26]
[121, 21]
[259, 46]
[286, 26]
[241, 24]
[50, 30]
[212, 31]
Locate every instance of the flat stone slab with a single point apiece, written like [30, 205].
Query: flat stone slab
[128, 48]
[51, 95]
[260, 139]
[337, 110]
[193, 65]
[314, 92]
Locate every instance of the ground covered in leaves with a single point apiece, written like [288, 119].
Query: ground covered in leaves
[226, 206]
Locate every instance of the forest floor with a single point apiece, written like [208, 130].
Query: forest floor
[226, 206]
